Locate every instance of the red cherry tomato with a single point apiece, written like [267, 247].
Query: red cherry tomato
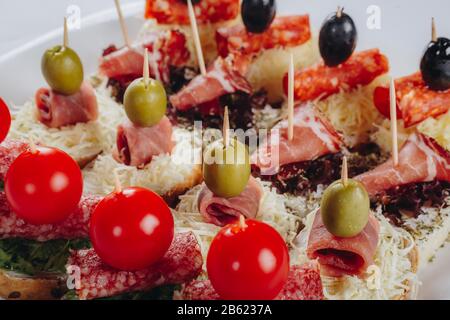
[132, 229]
[5, 120]
[248, 262]
[381, 101]
[44, 186]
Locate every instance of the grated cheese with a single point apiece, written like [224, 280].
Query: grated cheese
[438, 129]
[353, 113]
[163, 174]
[80, 141]
[268, 69]
[391, 277]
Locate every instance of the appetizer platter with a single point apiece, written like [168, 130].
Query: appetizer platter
[226, 151]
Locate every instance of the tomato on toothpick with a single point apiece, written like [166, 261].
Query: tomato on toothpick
[43, 185]
[131, 229]
[5, 120]
[248, 260]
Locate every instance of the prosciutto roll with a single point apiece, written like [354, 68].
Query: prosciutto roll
[222, 211]
[421, 159]
[74, 227]
[343, 256]
[9, 151]
[175, 11]
[303, 283]
[166, 48]
[56, 110]
[321, 81]
[220, 79]
[415, 101]
[182, 263]
[314, 137]
[287, 31]
[136, 146]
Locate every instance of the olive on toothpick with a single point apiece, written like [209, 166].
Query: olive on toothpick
[145, 99]
[337, 38]
[345, 206]
[258, 15]
[435, 63]
[226, 165]
[62, 68]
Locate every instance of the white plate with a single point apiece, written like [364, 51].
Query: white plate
[405, 30]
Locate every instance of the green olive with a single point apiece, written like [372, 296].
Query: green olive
[226, 170]
[145, 104]
[345, 209]
[62, 69]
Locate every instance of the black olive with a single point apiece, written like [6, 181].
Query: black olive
[435, 64]
[258, 14]
[193, 1]
[337, 38]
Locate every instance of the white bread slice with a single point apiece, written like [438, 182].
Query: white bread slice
[282, 212]
[15, 286]
[393, 275]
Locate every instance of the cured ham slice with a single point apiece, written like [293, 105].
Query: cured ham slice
[313, 137]
[222, 211]
[176, 12]
[343, 256]
[287, 31]
[182, 263]
[220, 79]
[415, 101]
[56, 110]
[166, 48]
[303, 283]
[75, 226]
[9, 151]
[136, 146]
[421, 159]
[321, 81]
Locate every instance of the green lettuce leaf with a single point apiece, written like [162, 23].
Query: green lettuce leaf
[34, 258]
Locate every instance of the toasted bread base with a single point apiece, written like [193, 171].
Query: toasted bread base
[196, 178]
[14, 286]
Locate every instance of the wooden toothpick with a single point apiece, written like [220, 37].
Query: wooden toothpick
[393, 110]
[344, 171]
[32, 145]
[226, 128]
[66, 34]
[339, 11]
[433, 30]
[123, 26]
[291, 98]
[196, 36]
[117, 184]
[145, 71]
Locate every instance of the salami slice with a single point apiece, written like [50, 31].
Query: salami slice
[415, 101]
[321, 81]
[182, 263]
[74, 227]
[287, 31]
[304, 283]
[220, 79]
[9, 151]
[176, 12]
